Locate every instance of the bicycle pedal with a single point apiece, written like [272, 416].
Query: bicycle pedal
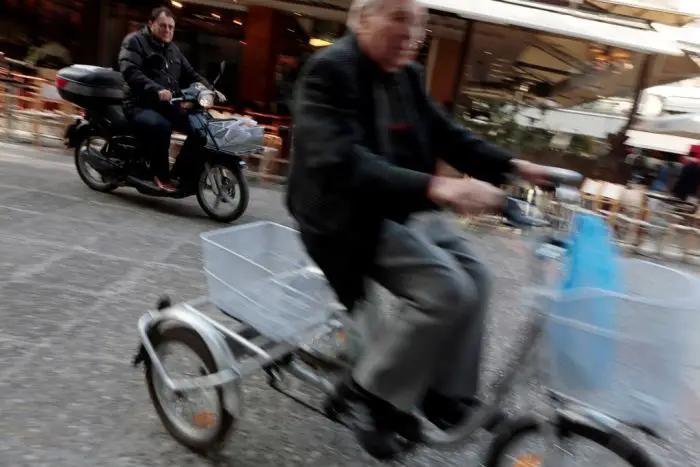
[275, 378]
[334, 407]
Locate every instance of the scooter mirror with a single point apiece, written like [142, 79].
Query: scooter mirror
[222, 67]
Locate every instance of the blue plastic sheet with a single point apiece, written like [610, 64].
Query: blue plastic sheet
[584, 358]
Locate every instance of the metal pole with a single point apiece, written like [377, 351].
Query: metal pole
[464, 57]
[645, 74]
[642, 83]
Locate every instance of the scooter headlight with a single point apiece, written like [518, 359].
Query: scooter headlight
[206, 99]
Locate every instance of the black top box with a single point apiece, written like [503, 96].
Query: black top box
[91, 86]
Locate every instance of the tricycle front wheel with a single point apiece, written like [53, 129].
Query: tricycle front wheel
[203, 428]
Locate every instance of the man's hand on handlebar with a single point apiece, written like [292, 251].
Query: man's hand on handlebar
[533, 173]
[466, 196]
[165, 95]
[220, 96]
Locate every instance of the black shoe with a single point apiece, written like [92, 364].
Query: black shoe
[378, 426]
[447, 413]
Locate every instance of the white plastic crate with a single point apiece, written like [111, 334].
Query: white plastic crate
[630, 365]
[260, 274]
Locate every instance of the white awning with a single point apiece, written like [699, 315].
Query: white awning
[492, 11]
[649, 10]
[659, 142]
[684, 125]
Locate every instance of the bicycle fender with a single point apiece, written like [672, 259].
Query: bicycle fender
[178, 315]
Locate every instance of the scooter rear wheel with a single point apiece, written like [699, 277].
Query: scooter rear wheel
[84, 169]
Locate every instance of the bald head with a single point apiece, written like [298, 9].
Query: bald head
[389, 31]
[361, 6]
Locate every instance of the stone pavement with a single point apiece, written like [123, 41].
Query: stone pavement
[77, 270]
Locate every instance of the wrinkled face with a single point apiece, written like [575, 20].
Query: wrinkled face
[418, 38]
[163, 28]
[392, 33]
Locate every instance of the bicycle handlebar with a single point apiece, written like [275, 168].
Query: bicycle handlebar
[557, 177]
[566, 177]
[514, 214]
[564, 182]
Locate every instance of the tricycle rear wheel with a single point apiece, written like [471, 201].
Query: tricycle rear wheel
[222, 420]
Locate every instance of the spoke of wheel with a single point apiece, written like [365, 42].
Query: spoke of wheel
[225, 192]
[218, 179]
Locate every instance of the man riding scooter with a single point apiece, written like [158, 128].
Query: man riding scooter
[155, 69]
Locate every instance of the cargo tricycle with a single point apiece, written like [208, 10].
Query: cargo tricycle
[285, 321]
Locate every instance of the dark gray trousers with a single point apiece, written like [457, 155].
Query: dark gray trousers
[435, 340]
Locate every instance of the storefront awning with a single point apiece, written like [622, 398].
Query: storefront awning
[659, 142]
[684, 125]
[645, 9]
[502, 58]
[532, 16]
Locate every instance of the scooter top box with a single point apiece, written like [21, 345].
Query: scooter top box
[91, 86]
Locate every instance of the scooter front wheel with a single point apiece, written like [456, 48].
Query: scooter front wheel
[229, 187]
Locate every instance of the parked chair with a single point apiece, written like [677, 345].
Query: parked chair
[686, 229]
[590, 194]
[630, 218]
[610, 196]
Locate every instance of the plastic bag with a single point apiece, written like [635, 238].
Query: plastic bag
[582, 322]
[230, 134]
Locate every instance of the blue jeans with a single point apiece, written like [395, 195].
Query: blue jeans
[153, 128]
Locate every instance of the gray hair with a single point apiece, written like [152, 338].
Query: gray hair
[361, 6]
[371, 6]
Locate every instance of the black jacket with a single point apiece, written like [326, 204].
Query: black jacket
[149, 66]
[342, 183]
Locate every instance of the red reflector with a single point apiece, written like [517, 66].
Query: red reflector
[61, 83]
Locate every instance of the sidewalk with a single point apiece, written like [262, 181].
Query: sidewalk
[27, 137]
[24, 148]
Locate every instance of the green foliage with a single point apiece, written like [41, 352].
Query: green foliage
[503, 130]
[581, 145]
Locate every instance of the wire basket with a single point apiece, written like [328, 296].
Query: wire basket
[625, 354]
[260, 274]
[235, 136]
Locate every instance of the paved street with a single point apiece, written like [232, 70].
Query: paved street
[78, 268]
